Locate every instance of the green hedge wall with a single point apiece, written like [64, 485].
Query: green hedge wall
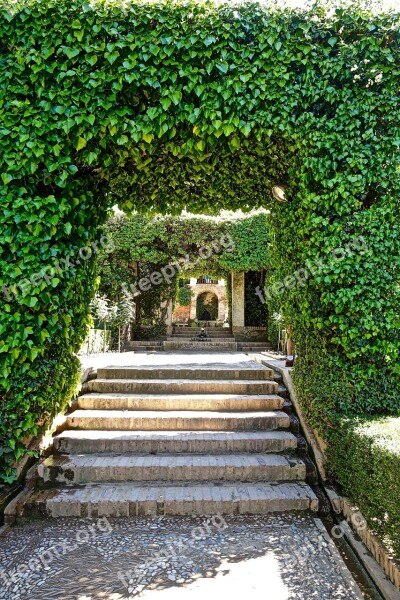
[170, 105]
[364, 456]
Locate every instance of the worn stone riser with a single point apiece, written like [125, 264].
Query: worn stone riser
[132, 500]
[258, 374]
[182, 386]
[229, 343]
[256, 343]
[204, 349]
[148, 345]
[144, 420]
[145, 349]
[154, 403]
[209, 335]
[145, 343]
[210, 332]
[184, 467]
[185, 337]
[82, 442]
[253, 346]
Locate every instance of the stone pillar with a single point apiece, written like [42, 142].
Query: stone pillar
[168, 316]
[237, 299]
[193, 304]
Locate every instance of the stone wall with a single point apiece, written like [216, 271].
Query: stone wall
[181, 314]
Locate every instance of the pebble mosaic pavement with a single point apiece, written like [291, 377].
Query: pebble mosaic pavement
[274, 557]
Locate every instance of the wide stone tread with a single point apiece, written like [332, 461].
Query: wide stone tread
[145, 343]
[183, 386]
[157, 442]
[178, 467]
[259, 373]
[177, 420]
[227, 402]
[219, 334]
[131, 500]
[174, 344]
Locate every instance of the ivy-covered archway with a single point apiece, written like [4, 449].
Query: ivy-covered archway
[170, 105]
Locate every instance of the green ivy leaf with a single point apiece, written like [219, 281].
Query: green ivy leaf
[81, 143]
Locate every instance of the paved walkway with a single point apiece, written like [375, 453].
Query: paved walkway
[275, 557]
[222, 360]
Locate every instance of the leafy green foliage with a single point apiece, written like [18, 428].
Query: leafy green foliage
[167, 106]
[184, 293]
[151, 332]
[364, 456]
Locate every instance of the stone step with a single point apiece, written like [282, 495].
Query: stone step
[253, 346]
[209, 330]
[227, 402]
[145, 342]
[192, 338]
[210, 333]
[132, 500]
[182, 386]
[159, 442]
[196, 372]
[103, 468]
[254, 343]
[198, 329]
[214, 345]
[254, 349]
[144, 349]
[177, 420]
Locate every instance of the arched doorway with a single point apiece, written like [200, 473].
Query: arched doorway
[207, 307]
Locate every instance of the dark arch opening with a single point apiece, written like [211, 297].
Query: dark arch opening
[207, 306]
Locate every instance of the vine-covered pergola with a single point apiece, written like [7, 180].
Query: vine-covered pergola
[160, 106]
[165, 250]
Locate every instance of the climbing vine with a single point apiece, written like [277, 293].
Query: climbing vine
[183, 293]
[166, 106]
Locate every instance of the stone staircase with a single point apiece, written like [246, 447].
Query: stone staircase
[173, 440]
[218, 339]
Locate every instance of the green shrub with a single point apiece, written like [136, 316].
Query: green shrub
[184, 294]
[151, 332]
[364, 457]
[329, 387]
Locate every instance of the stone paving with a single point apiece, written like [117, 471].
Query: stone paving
[226, 360]
[274, 557]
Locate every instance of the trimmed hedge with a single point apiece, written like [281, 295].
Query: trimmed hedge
[364, 457]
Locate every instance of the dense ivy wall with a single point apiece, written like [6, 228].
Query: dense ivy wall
[193, 105]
